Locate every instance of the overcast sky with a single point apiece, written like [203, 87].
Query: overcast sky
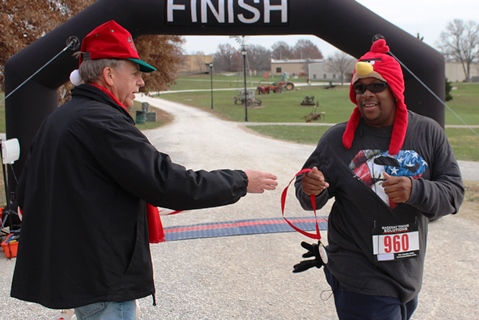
[426, 17]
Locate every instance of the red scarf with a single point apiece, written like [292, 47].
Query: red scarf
[156, 233]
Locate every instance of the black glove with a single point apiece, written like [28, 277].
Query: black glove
[313, 251]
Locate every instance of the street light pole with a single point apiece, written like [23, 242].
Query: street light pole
[211, 77]
[243, 52]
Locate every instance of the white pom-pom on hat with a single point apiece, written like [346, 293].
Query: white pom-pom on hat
[75, 77]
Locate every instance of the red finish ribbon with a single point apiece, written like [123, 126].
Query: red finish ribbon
[312, 197]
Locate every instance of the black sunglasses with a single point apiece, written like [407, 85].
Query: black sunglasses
[374, 87]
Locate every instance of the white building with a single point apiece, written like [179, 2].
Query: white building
[455, 72]
[318, 71]
[291, 67]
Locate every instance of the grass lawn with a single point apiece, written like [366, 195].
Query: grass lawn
[286, 107]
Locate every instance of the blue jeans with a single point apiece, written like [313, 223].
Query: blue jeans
[125, 310]
[357, 306]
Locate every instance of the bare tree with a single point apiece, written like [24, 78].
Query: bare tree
[227, 58]
[281, 50]
[460, 43]
[305, 49]
[340, 63]
[259, 58]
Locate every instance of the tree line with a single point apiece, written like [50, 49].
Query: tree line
[228, 58]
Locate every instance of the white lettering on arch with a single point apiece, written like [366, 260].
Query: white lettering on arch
[255, 11]
[170, 7]
[219, 14]
[268, 7]
[227, 12]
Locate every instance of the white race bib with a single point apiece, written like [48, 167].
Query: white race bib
[396, 242]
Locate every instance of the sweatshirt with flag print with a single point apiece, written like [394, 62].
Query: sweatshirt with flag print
[363, 220]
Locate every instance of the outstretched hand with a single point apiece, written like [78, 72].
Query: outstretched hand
[313, 251]
[259, 181]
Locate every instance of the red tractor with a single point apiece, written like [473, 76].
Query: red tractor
[287, 85]
[274, 87]
[262, 90]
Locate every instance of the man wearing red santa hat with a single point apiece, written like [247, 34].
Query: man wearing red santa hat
[88, 183]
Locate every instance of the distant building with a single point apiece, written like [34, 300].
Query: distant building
[313, 69]
[319, 72]
[455, 72]
[194, 64]
[291, 67]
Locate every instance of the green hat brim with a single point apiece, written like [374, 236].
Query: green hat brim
[144, 67]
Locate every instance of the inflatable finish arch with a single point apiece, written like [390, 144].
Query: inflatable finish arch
[343, 23]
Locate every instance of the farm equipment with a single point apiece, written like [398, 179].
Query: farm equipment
[275, 88]
[262, 90]
[314, 115]
[286, 85]
[330, 86]
[251, 101]
[309, 101]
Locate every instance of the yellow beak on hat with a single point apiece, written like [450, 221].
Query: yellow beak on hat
[364, 68]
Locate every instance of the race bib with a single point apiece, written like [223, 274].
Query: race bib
[396, 242]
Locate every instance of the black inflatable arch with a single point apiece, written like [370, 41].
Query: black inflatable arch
[343, 23]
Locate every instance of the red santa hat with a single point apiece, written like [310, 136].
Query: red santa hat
[378, 64]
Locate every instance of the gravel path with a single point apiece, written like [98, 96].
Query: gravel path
[249, 277]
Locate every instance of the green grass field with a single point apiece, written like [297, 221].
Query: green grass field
[285, 107]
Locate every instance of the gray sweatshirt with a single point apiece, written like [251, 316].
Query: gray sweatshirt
[376, 247]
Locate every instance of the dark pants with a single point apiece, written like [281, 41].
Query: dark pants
[357, 306]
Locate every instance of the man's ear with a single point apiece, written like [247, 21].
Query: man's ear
[108, 75]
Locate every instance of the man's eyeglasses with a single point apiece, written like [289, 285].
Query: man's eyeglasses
[374, 87]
